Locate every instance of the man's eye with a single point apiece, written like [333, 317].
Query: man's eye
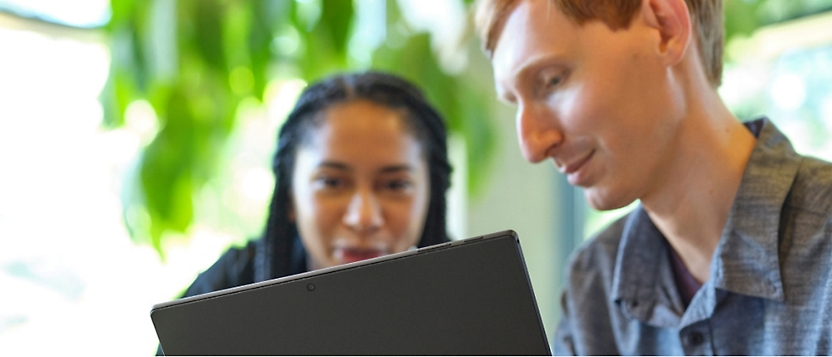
[555, 81]
[549, 83]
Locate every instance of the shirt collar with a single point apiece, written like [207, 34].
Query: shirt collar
[643, 282]
[745, 260]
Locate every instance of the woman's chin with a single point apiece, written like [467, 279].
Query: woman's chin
[351, 255]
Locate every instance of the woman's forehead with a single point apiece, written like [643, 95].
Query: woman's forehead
[365, 132]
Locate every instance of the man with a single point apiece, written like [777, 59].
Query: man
[730, 249]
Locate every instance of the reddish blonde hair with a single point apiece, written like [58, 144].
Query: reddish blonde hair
[706, 16]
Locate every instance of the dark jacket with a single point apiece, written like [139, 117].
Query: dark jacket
[236, 267]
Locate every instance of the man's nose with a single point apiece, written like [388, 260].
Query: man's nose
[537, 131]
[364, 213]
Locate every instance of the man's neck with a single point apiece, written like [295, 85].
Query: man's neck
[691, 204]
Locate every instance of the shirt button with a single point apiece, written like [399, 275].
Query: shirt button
[772, 287]
[695, 338]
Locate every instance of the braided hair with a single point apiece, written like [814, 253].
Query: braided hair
[280, 252]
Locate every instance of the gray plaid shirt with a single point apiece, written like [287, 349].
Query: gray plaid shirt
[770, 291]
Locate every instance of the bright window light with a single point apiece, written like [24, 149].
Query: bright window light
[76, 13]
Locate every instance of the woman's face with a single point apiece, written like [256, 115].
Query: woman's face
[360, 187]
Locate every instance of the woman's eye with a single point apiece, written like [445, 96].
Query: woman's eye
[329, 182]
[397, 185]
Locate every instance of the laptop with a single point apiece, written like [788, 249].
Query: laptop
[465, 297]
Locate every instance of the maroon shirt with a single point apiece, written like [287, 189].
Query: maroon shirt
[685, 282]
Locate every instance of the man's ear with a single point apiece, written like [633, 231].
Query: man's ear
[671, 18]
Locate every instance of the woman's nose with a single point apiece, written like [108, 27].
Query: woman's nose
[537, 131]
[364, 214]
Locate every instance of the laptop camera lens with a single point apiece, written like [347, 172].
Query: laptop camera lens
[310, 287]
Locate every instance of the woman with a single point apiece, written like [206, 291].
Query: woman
[361, 171]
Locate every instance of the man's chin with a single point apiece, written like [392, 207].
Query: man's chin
[604, 200]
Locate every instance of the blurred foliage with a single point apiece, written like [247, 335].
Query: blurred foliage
[194, 61]
[742, 17]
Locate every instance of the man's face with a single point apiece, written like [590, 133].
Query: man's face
[596, 101]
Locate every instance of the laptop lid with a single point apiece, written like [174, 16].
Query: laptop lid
[466, 297]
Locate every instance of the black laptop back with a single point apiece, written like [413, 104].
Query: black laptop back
[468, 297]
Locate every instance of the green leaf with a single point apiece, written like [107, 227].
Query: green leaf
[225, 51]
[207, 21]
[336, 22]
[740, 17]
[166, 165]
[266, 16]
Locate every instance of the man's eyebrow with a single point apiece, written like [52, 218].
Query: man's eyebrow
[520, 74]
[537, 61]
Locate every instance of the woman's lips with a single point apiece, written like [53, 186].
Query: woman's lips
[349, 255]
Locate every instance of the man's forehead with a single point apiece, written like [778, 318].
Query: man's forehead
[533, 30]
[509, 45]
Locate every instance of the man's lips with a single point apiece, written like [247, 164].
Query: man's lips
[576, 165]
